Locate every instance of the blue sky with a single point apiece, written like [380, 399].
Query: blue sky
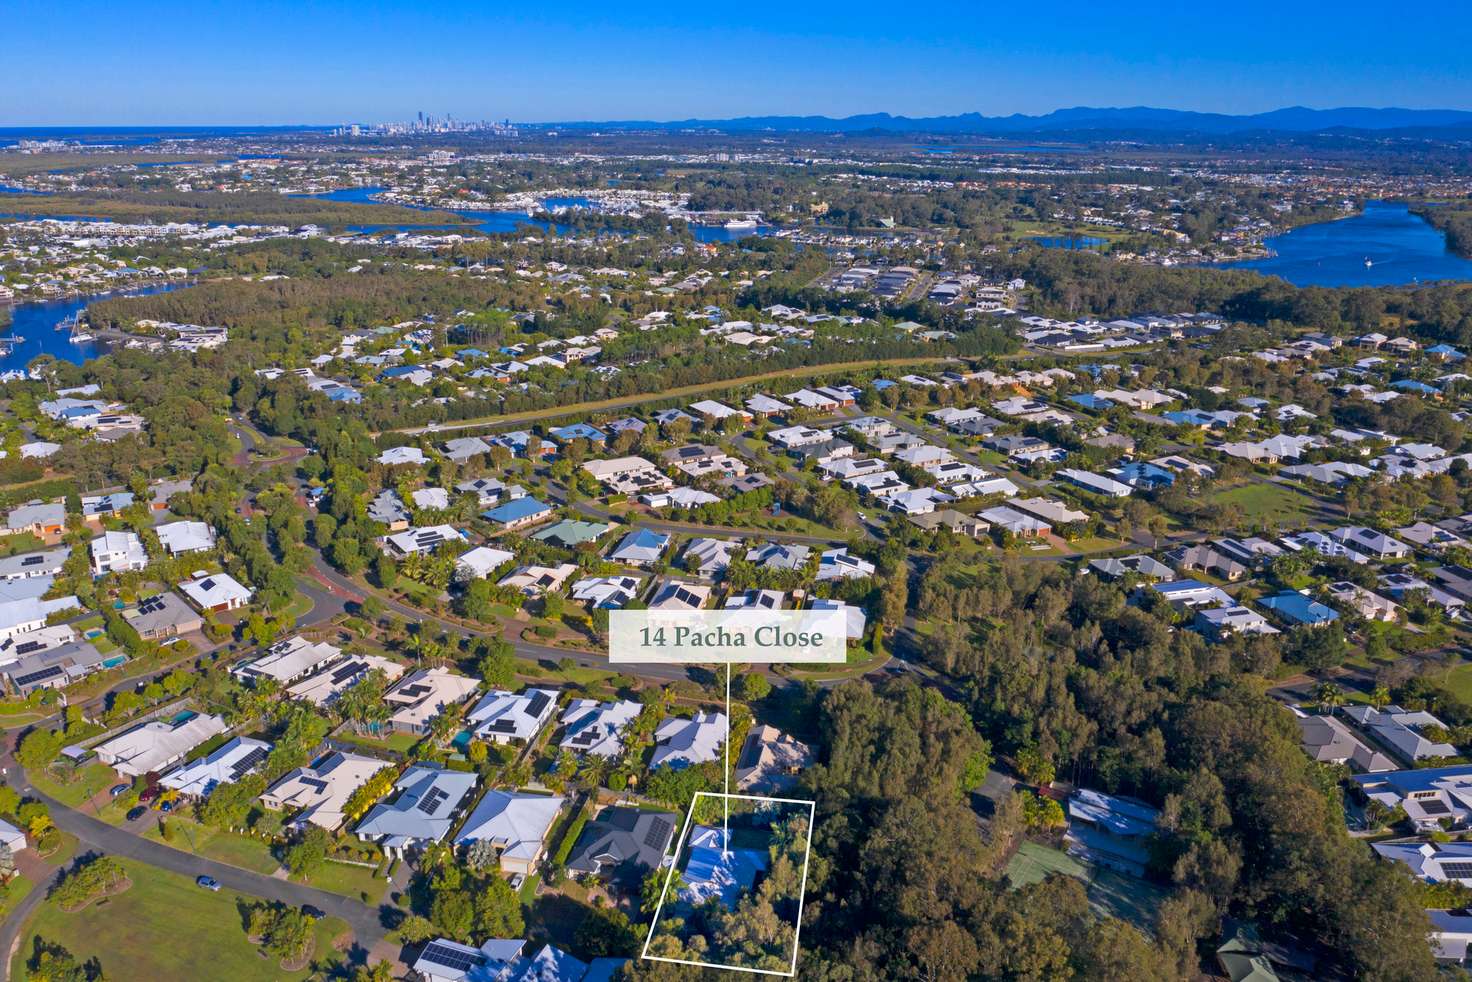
[139, 62]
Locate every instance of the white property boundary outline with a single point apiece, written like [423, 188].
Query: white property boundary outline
[801, 894]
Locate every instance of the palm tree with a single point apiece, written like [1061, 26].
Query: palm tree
[1380, 698]
[1329, 696]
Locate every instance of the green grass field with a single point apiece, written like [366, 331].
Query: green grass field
[164, 927]
[91, 779]
[350, 881]
[1267, 503]
[225, 847]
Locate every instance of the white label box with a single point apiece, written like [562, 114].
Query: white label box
[713, 637]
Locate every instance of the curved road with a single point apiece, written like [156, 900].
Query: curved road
[366, 922]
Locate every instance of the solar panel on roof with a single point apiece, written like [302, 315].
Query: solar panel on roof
[26, 647]
[1457, 871]
[452, 958]
[344, 672]
[32, 560]
[1434, 807]
[659, 833]
[432, 800]
[37, 676]
[245, 764]
[537, 703]
[501, 726]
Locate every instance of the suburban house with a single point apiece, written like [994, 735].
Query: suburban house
[681, 742]
[1328, 741]
[607, 592]
[1431, 862]
[422, 695]
[480, 562]
[215, 593]
[1110, 831]
[1368, 542]
[48, 658]
[1428, 795]
[326, 685]
[29, 565]
[716, 870]
[318, 793]
[226, 764]
[622, 838]
[537, 581]
[1296, 608]
[420, 541]
[1140, 565]
[595, 727]
[422, 809]
[30, 613]
[1400, 731]
[628, 475]
[1220, 622]
[152, 746]
[179, 538]
[1205, 559]
[288, 660]
[515, 823]
[1371, 606]
[502, 717]
[501, 960]
[38, 518]
[570, 533]
[770, 760]
[163, 615]
[389, 510]
[707, 557]
[680, 595]
[518, 513]
[838, 564]
[117, 552]
[1193, 593]
[1014, 522]
[640, 547]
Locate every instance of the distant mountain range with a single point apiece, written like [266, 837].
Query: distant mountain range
[1142, 119]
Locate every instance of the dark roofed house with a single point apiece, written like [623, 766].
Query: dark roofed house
[623, 838]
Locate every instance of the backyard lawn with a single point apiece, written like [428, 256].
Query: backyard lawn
[163, 927]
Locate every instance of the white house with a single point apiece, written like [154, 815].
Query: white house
[681, 742]
[118, 552]
[227, 764]
[153, 746]
[516, 824]
[596, 727]
[185, 537]
[501, 717]
[215, 592]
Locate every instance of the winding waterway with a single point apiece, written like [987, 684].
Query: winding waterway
[1384, 245]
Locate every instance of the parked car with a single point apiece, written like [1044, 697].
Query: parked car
[137, 813]
[209, 883]
[118, 790]
[517, 879]
[149, 794]
[165, 806]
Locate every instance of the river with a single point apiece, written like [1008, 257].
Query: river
[35, 324]
[501, 222]
[1401, 249]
